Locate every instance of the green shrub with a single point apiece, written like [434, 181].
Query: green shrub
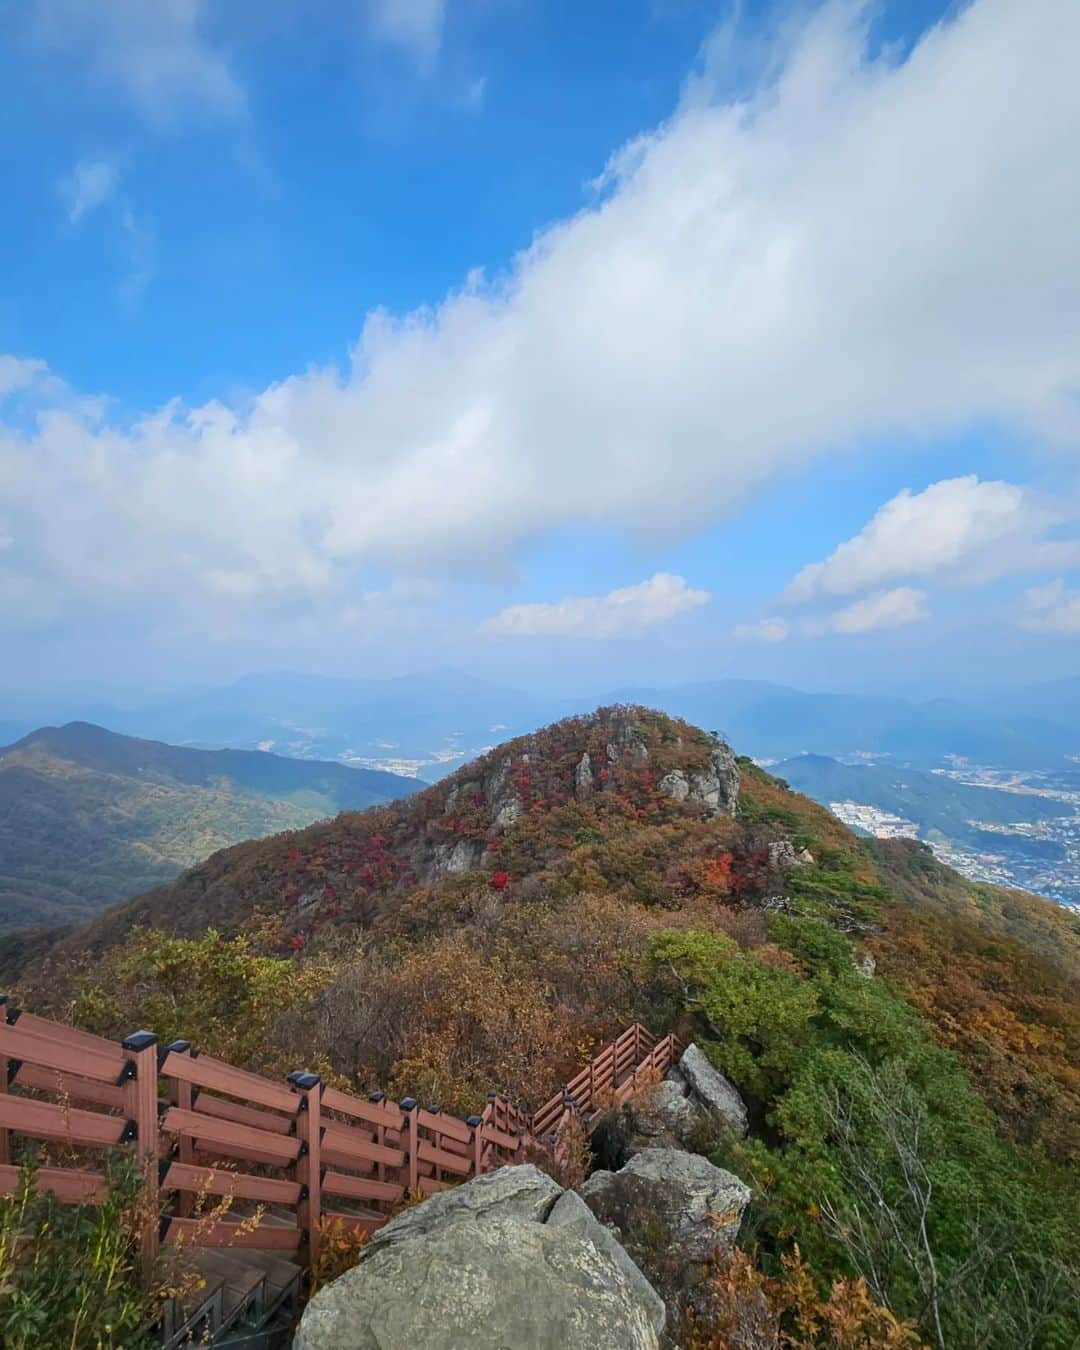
[70, 1277]
[876, 1154]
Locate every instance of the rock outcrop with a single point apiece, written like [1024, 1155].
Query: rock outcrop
[462, 856]
[692, 1106]
[708, 1085]
[670, 1210]
[716, 787]
[506, 1260]
[783, 856]
[662, 1117]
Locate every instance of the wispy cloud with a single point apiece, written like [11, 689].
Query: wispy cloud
[140, 246]
[413, 26]
[883, 610]
[91, 184]
[18, 373]
[1053, 608]
[625, 612]
[155, 52]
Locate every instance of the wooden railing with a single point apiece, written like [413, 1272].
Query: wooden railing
[234, 1159]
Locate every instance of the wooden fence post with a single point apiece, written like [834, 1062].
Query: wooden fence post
[476, 1123]
[5, 1135]
[141, 1104]
[411, 1143]
[182, 1094]
[309, 1163]
[380, 1134]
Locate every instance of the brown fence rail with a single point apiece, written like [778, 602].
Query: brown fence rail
[285, 1157]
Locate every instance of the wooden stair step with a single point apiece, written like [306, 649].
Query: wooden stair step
[245, 1284]
[196, 1317]
[282, 1277]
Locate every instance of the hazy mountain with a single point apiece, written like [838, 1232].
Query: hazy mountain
[88, 817]
[430, 723]
[772, 721]
[1057, 701]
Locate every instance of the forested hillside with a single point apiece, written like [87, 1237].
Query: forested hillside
[896, 1034]
[88, 817]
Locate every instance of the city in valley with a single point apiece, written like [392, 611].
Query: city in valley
[1039, 856]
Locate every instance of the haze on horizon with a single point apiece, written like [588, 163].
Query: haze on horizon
[645, 345]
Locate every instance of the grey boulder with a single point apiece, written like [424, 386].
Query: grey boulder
[670, 1208]
[708, 1085]
[574, 1215]
[512, 1192]
[662, 1115]
[491, 1281]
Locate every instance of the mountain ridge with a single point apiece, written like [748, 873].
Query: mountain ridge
[88, 816]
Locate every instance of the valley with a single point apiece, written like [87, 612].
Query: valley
[89, 817]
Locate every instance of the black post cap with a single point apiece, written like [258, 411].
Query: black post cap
[139, 1040]
[178, 1047]
[407, 1103]
[376, 1096]
[434, 1110]
[299, 1079]
[474, 1121]
[492, 1096]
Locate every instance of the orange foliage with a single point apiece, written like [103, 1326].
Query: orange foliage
[1010, 1014]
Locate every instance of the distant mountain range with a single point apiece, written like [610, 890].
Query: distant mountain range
[88, 817]
[428, 724]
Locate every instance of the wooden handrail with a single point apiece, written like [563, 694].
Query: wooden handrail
[213, 1111]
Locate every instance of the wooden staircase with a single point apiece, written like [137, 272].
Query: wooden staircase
[274, 1157]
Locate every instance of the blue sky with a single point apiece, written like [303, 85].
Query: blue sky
[569, 344]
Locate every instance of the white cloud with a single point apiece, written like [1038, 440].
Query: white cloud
[895, 608]
[621, 613]
[959, 529]
[857, 249]
[415, 26]
[92, 183]
[17, 373]
[1052, 608]
[885, 609]
[154, 51]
